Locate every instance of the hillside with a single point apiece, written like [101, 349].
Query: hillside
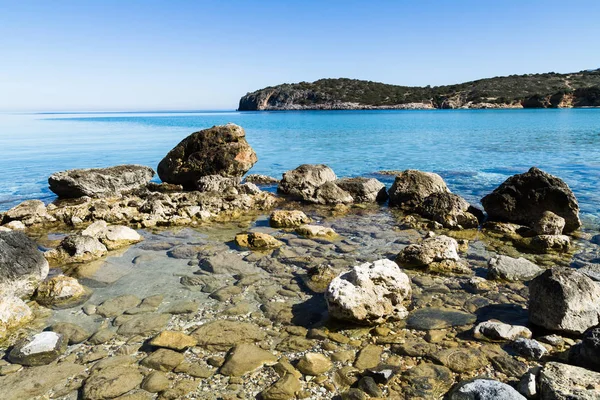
[549, 90]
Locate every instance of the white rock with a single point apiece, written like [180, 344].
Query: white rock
[15, 226]
[113, 236]
[42, 342]
[316, 231]
[369, 293]
[13, 312]
[433, 249]
[496, 330]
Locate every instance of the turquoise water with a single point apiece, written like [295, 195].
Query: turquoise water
[474, 150]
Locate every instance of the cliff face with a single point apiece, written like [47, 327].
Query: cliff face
[550, 90]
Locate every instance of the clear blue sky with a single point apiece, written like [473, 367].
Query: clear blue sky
[144, 54]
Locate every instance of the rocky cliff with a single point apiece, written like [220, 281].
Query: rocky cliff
[550, 90]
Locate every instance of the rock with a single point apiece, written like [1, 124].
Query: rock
[29, 212]
[288, 219]
[41, 349]
[411, 187]
[246, 358]
[427, 381]
[433, 249]
[36, 382]
[285, 388]
[314, 364]
[61, 292]
[461, 360]
[499, 331]
[564, 382]
[523, 198]
[512, 269]
[316, 231]
[216, 183]
[564, 299]
[99, 182]
[258, 179]
[527, 385]
[163, 360]
[144, 324]
[221, 335]
[450, 210]
[111, 382]
[72, 333]
[546, 244]
[173, 340]
[13, 314]
[22, 265]
[438, 318]
[549, 224]
[330, 193]
[587, 353]
[114, 236]
[484, 389]
[257, 241]
[368, 385]
[302, 182]
[102, 336]
[364, 190]
[220, 150]
[117, 305]
[369, 293]
[592, 271]
[368, 357]
[156, 382]
[183, 307]
[77, 248]
[508, 365]
[529, 348]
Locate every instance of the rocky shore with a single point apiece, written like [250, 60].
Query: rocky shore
[204, 286]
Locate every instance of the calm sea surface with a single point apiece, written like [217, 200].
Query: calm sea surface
[473, 150]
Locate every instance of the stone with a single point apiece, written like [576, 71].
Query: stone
[499, 331]
[368, 385]
[216, 183]
[508, 365]
[450, 210]
[314, 364]
[559, 381]
[527, 385]
[13, 314]
[117, 305]
[587, 353]
[353, 394]
[73, 333]
[461, 359]
[13, 226]
[60, 292]
[99, 182]
[411, 187]
[330, 193]
[364, 190]
[369, 293]
[156, 382]
[22, 265]
[288, 219]
[302, 182]
[220, 150]
[36, 382]
[144, 324]
[173, 340]
[259, 179]
[529, 348]
[484, 389]
[512, 269]
[246, 358]
[41, 349]
[316, 231]
[368, 357]
[114, 236]
[257, 241]
[563, 299]
[427, 381]
[183, 307]
[285, 388]
[523, 198]
[549, 224]
[221, 335]
[430, 250]
[102, 336]
[29, 212]
[163, 360]
[438, 318]
[111, 382]
[543, 244]
[77, 248]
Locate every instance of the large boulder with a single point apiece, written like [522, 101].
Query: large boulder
[220, 150]
[99, 182]
[302, 183]
[364, 190]
[411, 187]
[450, 210]
[559, 381]
[22, 265]
[524, 198]
[369, 293]
[564, 299]
[330, 193]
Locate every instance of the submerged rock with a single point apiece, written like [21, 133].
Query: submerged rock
[427, 381]
[22, 265]
[561, 381]
[369, 293]
[523, 199]
[99, 182]
[111, 381]
[41, 349]
[438, 318]
[364, 190]
[246, 358]
[220, 150]
[288, 219]
[36, 382]
[411, 187]
[62, 292]
[221, 335]
[512, 269]
[302, 183]
[314, 364]
[564, 299]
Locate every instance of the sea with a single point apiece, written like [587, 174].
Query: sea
[473, 150]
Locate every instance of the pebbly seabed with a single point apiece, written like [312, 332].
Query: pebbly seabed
[228, 291]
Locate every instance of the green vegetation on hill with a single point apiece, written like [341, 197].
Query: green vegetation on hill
[531, 90]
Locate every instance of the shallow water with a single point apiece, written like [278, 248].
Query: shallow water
[474, 150]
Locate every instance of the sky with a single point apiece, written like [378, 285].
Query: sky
[102, 55]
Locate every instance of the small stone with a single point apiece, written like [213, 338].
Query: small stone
[427, 381]
[221, 335]
[144, 324]
[155, 382]
[461, 359]
[118, 305]
[369, 386]
[41, 349]
[195, 370]
[498, 331]
[183, 307]
[285, 388]
[438, 318]
[549, 224]
[316, 231]
[108, 383]
[246, 358]
[173, 340]
[163, 360]
[529, 348]
[368, 357]
[61, 292]
[102, 336]
[73, 333]
[484, 389]
[314, 364]
[512, 269]
[288, 219]
[257, 241]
